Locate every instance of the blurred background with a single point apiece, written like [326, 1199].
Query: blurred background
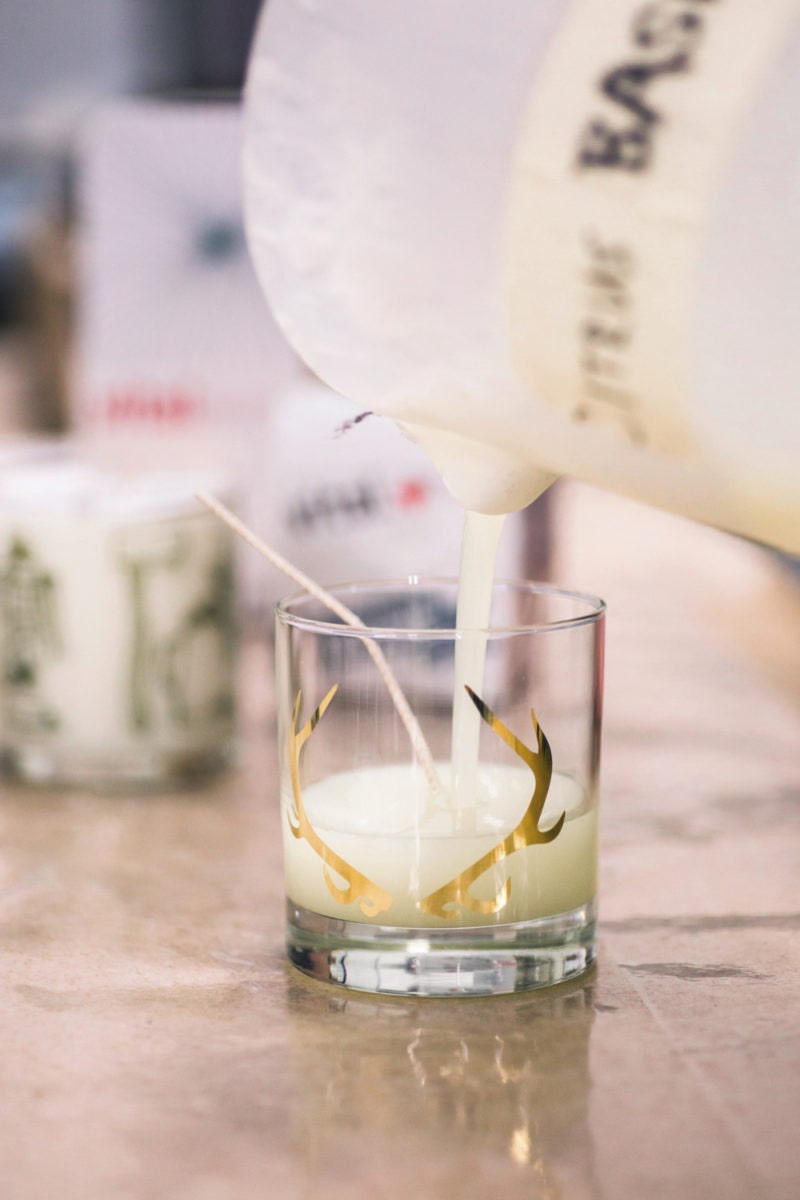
[62, 62]
[129, 311]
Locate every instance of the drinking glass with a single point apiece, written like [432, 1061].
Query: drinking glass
[439, 787]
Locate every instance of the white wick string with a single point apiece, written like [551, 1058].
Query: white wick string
[304, 581]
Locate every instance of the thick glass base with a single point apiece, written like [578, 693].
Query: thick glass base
[139, 769]
[479, 960]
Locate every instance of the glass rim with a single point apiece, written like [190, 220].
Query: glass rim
[596, 608]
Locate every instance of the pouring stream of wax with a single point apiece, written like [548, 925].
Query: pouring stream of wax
[479, 545]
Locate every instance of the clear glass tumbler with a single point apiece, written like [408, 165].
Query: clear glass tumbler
[439, 787]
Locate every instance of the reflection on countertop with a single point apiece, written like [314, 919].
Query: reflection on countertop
[508, 1083]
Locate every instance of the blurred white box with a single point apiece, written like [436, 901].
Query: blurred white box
[174, 331]
[178, 357]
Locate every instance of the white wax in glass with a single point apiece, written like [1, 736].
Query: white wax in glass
[380, 821]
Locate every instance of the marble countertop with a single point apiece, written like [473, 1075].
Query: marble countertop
[156, 1046]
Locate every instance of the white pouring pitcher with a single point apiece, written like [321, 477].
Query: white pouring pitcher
[546, 236]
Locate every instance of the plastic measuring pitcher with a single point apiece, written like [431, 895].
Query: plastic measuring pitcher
[547, 237]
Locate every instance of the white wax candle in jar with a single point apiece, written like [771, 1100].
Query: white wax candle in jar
[380, 822]
[117, 625]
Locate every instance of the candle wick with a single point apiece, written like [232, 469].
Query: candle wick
[309, 585]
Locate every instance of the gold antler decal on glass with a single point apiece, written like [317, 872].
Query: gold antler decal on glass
[445, 901]
[371, 898]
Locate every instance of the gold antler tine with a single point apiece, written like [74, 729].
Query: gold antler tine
[544, 751]
[314, 720]
[522, 751]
